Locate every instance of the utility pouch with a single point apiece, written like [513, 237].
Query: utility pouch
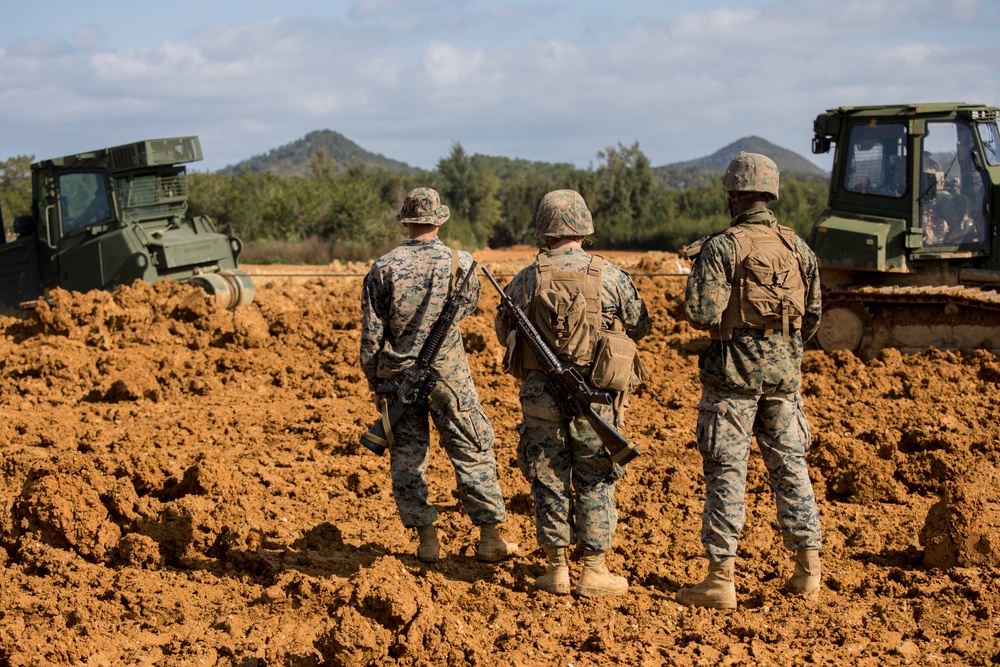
[514, 357]
[561, 318]
[774, 287]
[614, 360]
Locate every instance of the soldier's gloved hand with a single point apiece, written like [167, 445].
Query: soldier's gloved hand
[377, 400]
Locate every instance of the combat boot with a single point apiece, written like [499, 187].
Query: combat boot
[716, 591]
[556, 577]
[492, 547]
[805, 578]
[429, 549]
[595, 580]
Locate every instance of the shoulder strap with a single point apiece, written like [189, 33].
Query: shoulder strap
[742, 239]
[543, 266]
[542, 262]
[731, 315]
[456, 272]
[594, 292]
[786, 235]
[596, 265]
[595, 286]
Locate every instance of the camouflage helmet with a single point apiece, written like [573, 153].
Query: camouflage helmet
[751, 172]
[561, 214]
[423, 206]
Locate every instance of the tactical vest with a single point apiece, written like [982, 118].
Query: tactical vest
[768, 291]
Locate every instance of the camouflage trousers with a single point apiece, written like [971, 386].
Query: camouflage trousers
[726, 423]
[467, 438]
[571, 474]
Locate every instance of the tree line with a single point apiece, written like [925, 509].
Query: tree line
[350, 213]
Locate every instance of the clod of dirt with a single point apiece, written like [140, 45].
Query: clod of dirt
[61, 505]
[963, 528]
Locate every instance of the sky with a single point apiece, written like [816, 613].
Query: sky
[548, 80]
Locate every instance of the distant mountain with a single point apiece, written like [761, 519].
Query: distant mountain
[296, 158]
[709, 169]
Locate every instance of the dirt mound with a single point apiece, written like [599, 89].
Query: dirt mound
[184, 485]
[62, 505]
[664, 263]
[963, 528]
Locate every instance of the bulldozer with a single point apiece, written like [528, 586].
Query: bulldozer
[112, 216]
[908, 248]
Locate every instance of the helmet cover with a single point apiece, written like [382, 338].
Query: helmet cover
[751, 172]
[561, 214]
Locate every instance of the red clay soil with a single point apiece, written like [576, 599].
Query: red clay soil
[183, 485]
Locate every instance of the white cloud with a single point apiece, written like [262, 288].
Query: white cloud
[365, 8]
[723, 23]
[406, 79]
[448, 66]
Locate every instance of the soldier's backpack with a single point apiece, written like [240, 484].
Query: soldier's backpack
[566, 310]
[769, 288]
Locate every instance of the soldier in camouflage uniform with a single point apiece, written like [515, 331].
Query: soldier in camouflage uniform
[751, 374]
[403, 295]
[571, 473]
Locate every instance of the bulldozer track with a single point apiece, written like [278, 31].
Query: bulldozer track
[910, 318]
[961, 295]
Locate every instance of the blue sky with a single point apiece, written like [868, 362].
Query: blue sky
[553, 80]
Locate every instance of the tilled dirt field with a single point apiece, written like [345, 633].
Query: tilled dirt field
[184, 486]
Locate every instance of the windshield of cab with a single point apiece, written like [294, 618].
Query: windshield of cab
[83, 200]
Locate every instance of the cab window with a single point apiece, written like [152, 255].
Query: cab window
[876, 163]
[991, 145]
[83, 200]
[952, 188]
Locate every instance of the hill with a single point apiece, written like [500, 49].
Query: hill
[710, 168]
[296, 158]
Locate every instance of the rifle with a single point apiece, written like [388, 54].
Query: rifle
[574, 397]
[415, 383]
[693, 249]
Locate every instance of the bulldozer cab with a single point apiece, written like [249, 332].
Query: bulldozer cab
[907, 247]
[112, 216]
[908, 183]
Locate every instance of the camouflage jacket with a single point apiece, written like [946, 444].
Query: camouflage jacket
[401, 299]
[752, 362]
[619, 298]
